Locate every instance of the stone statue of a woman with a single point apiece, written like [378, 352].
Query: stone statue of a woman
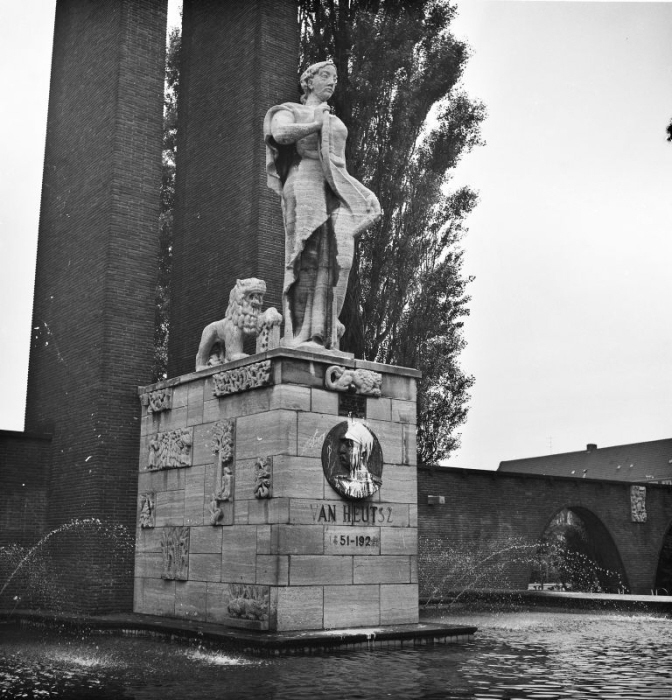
[324, 209]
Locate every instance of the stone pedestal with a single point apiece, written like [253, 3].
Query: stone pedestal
[237, 523]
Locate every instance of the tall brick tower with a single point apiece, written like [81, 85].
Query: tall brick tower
[239, 58]
[93, 311]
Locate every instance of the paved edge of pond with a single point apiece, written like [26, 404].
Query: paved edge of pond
[250, 641]
[560, 600]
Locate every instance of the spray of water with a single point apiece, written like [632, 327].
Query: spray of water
[448, 571]
[27, 558]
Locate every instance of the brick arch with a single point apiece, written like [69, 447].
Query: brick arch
[605, 551]
[493, 508]
[663, 578]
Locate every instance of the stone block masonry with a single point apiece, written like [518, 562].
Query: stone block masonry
[237, 522]
[93, 313]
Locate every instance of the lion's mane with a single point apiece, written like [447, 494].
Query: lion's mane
[241, 313]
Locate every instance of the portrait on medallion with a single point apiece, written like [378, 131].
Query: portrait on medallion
[352, 460]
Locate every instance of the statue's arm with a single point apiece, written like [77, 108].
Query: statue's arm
[285, 130]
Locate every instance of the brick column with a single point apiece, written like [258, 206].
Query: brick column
[239, 58]
[93, 313]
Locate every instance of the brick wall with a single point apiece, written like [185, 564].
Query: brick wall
[24, 465]
[239, 58]
[489, 512]
[93, 311]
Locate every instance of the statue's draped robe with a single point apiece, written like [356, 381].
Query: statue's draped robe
[311, 178]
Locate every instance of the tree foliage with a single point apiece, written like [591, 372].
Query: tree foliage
[169, 155]
[409, 121]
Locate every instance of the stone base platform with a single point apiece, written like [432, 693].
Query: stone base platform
[247, 641]
[254, 513]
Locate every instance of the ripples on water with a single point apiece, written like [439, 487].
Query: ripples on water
[531, 656]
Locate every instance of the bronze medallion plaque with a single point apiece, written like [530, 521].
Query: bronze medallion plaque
[352, 460]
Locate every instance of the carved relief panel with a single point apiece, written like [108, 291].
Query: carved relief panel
[223, 440]
[263, 484]
[251, 376]
[170, 450]
[175, 551]
[147, 512]
[638, 504]
[157, 401]
[249, 602]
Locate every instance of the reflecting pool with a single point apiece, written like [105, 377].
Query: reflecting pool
[531, 655]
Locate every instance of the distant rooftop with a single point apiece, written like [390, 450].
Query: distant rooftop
[640, 462]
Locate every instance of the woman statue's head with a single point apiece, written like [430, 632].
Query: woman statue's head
[319, 78]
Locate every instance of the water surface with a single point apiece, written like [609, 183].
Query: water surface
[531, 656]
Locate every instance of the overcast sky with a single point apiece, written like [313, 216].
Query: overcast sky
[570, 334]
[571, 244]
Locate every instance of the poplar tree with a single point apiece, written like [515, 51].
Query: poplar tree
[169, 155]
[409, 121]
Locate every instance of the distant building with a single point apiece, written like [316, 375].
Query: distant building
[641, 463]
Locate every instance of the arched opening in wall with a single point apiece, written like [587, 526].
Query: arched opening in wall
[663, 584]
[577, 553]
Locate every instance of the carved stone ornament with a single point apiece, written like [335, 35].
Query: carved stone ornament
[147, 501]
[263, 483]
[170, 450]
[175, 551]
[222, 441]
[157, 401]
[243, 318]
[359, 381]
[352, 460]
[638, 504]
[269, 330]
[223, 448]
[233, 381]
[249, 602]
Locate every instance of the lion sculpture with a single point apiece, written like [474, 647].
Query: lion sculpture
[243, 318]
[361, 381]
